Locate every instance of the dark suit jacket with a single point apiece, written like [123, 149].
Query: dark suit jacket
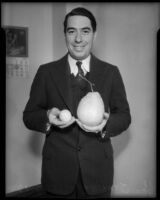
[62, 154]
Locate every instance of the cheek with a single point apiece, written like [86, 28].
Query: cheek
[89, 40]
[69, 43]
[89, 44]
[70, 39]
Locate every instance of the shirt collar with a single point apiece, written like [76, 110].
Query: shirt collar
[73, 66]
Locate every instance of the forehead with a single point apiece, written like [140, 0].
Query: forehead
[78, 21]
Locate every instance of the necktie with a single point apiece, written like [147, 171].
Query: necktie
[81, 79]
[80, 71]
[80, 74]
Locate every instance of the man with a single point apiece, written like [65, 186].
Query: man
[77, 159]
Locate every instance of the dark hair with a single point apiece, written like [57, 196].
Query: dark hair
[83, 12]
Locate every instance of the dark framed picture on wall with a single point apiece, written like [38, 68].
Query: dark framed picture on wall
[16, 41]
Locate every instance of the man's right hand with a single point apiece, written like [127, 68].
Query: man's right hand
[53, 116]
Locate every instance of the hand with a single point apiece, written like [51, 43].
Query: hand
[94, 129]
[54, 119]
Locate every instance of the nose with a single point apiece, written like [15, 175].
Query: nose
[78, 37]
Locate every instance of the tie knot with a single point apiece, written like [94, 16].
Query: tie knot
[79, 63]
[80, 71]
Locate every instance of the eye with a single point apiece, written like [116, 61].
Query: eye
[86, 31]
[71, 31]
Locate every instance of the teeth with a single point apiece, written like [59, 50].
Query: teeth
[79, 48]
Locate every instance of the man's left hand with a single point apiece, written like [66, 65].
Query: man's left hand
[94, 129]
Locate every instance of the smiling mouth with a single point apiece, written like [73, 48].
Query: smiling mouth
[78, 48]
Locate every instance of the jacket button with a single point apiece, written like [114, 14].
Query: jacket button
[78, 148]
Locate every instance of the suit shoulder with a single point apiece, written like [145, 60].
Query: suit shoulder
[51, 65]
[107, 65]
[46, 66]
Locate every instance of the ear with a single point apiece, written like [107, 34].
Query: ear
[95, 35]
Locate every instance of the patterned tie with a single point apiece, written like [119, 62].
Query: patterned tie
[80, 73]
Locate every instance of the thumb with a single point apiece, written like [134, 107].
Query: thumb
[106, 115]
[55, 111]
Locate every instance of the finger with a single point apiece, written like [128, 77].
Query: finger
[68, 123]
[85, 127]
[78, 122]
[102, 125]
[52, 117]
[55, 111]
[106, 115]
[103, 122]
[91, 129]
[56, 121]
[81, 125]
[71, 121]
[96, 128]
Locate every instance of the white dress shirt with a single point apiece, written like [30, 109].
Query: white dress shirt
[73, 67]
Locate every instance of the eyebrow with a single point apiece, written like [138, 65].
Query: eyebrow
[73, 28]
[86, 28]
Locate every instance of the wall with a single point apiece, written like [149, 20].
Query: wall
[23, 147]
[127, 38]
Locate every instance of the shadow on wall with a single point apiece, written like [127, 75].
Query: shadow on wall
[120, 142]
[36, 142]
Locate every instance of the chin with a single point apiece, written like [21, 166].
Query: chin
[79, 56]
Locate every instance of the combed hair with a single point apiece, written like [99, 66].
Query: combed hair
[82, 12]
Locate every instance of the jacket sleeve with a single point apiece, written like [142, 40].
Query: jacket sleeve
[35, 112]
[120, 117]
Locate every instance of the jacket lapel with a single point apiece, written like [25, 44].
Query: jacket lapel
[61, 75]
[97, 73]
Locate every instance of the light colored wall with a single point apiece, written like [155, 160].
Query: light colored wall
[23, 147]
[127, 38]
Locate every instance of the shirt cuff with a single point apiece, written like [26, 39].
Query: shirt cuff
[103, 134]
[48, 125]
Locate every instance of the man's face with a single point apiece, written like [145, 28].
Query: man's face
[79, 36]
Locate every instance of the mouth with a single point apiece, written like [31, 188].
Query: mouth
[79, 48]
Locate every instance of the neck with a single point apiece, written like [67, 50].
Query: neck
[78, 59]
